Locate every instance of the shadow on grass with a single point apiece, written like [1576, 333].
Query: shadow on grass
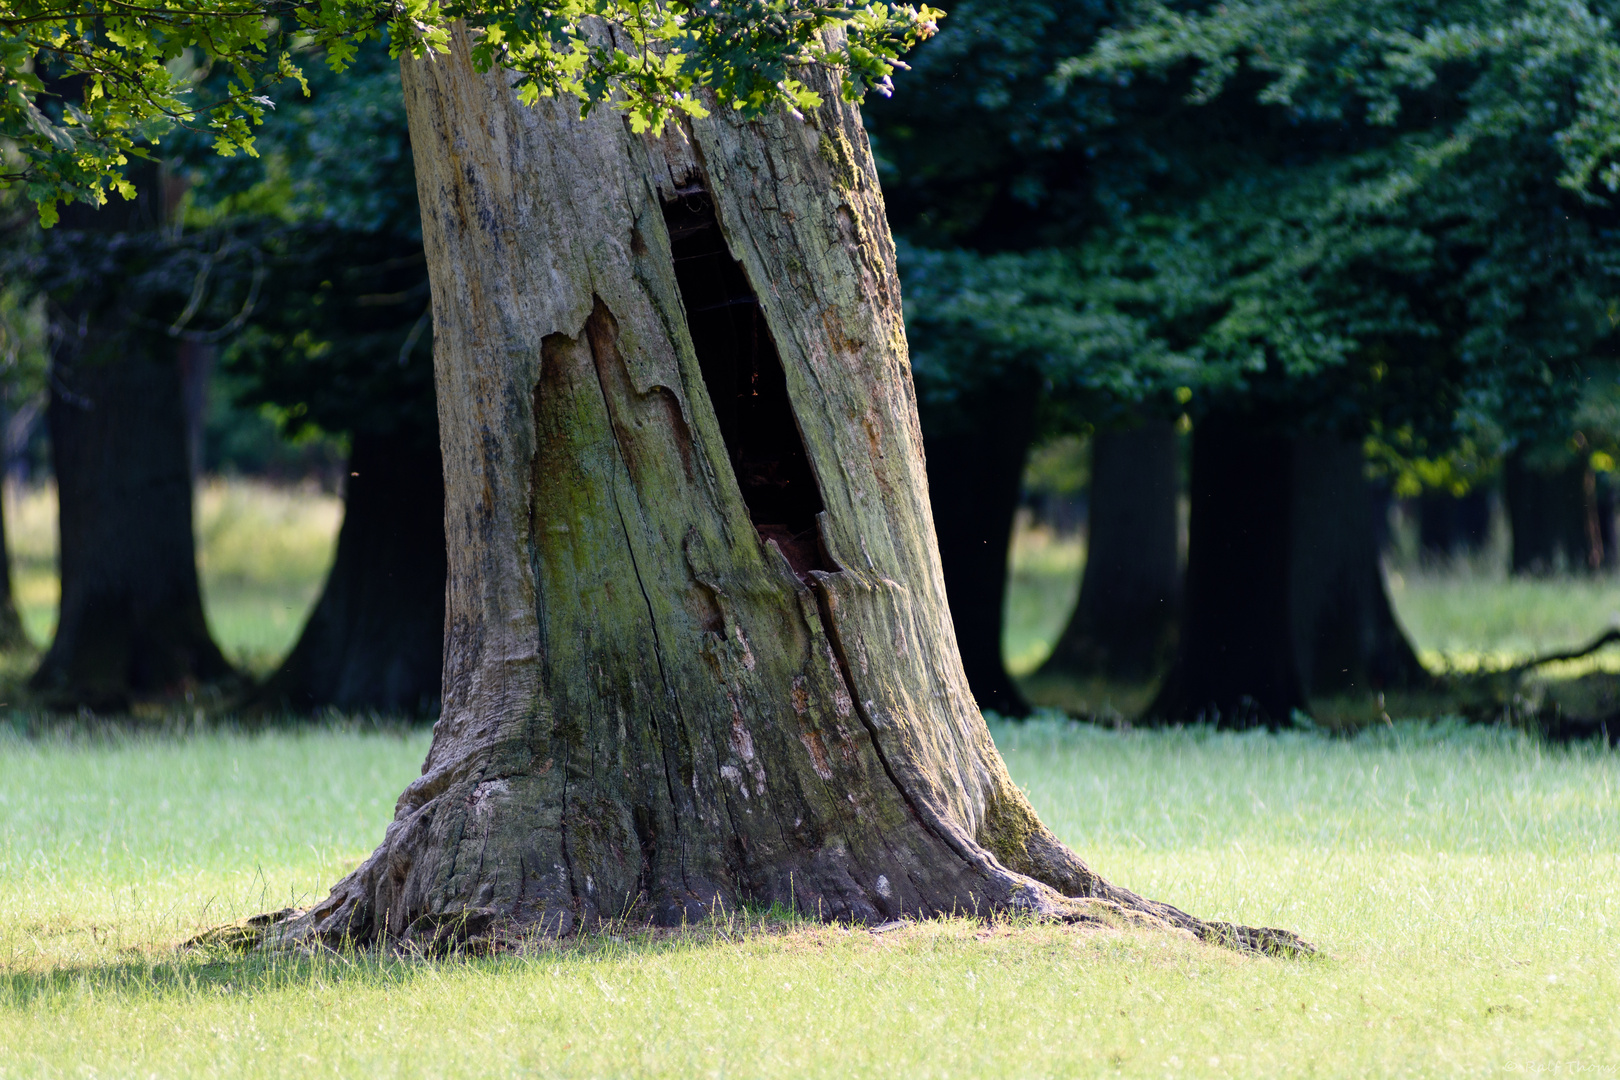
[191, 972]
[1568, 709]
[212, 973]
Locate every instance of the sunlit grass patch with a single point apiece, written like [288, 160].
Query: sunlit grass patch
[1043, 582]
[31, 538]
[1467, 615]
[263, 552]
[1463, 882]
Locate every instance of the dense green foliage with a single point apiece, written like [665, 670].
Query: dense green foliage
[992, 177]
[343, 340]
[1392, 218]
[1436, 232]
[90, 83]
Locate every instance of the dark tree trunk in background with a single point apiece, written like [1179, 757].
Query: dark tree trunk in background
[131, 621]
[1124, 622]
[1235, 663]
[375, 638]
[976, 452]
[12, 635]
[1600, 508]
[1555, 516]
[1450, 525]
[196, 370]
[1345, 634]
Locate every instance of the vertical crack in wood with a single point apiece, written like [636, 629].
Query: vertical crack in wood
[601, 336]
[550, 348]
[835, 639]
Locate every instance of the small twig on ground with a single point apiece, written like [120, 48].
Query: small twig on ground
[1607, 637]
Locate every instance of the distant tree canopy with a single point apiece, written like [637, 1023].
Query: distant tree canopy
[1444, 253]
[1394, 217]
[993, 177]
[342, 338]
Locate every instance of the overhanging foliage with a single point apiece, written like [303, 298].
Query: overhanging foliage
[88, 84]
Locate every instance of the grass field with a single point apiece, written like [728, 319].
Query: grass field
[1464, 884]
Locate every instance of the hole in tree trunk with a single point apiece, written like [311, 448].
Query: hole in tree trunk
[746, 384]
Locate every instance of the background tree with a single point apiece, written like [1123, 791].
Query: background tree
[23, 364]
[988, 172]
[1125, 617]
[342, 344]
[348, 350]
[123, 292]
[1385, 251]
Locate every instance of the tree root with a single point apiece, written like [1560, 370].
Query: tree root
[483, 930]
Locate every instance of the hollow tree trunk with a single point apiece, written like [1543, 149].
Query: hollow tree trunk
[698, 650]
[1235, 664]
[375, 638]
[1344, 630]
[975, 453]
[1124, 623]
[131, 621]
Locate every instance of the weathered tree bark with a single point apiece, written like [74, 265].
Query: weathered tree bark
[1235, 664]
[375, 638]
[698, 650]
[131, 621]
[1345, 634]
[1124, 623]
[975, 452]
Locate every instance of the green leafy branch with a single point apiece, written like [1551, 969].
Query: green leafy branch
[89, 84]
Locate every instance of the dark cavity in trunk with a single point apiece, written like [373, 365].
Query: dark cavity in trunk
[744, 377]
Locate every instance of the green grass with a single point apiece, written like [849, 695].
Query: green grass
[262, 555]
[1465, 884]
[1468, 615]
[1043, 583]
